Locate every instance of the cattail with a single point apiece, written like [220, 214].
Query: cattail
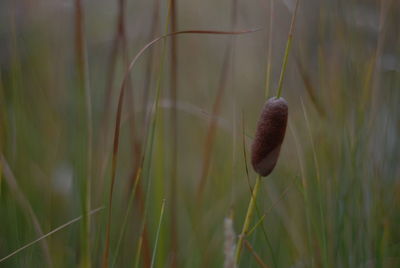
[269, 136]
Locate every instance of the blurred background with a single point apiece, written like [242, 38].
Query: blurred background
[333, 199]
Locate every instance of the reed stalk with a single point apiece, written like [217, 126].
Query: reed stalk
[247, 220]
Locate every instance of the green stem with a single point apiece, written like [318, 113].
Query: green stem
[249, 214]
[269, 59]
[286, 56]
[84, 92]
[128, 209]
[283, 71]
[138, 251]
[158, 234]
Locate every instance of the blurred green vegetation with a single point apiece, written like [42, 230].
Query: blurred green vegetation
[332, 201]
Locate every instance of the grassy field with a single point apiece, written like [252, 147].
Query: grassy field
[114, 156]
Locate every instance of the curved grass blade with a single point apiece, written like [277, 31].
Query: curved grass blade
[119, 113]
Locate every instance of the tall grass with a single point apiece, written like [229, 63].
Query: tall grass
[163, 118]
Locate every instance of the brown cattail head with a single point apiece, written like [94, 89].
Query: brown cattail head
[271, 128]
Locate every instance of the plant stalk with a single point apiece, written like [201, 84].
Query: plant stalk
[287, 50]
[249, 214]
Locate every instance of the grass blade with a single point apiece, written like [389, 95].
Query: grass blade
[83, 82]
[125, 220]
[174, 134]
[287, 50]
[247, 219]
[269, 49]
[59, 228]
[158, 234]
[25, 205]
[255, 255]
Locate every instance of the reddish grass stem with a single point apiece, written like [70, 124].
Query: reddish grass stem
[211, 132]
[84, 91]
[212, 127]
[255, 255]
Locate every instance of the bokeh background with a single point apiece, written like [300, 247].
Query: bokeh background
[333, 199]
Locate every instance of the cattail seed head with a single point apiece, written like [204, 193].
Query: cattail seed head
[271, 128]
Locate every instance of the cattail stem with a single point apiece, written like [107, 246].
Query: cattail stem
[269, 56]
[249, 214]
[288, 46]
[286, 56]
